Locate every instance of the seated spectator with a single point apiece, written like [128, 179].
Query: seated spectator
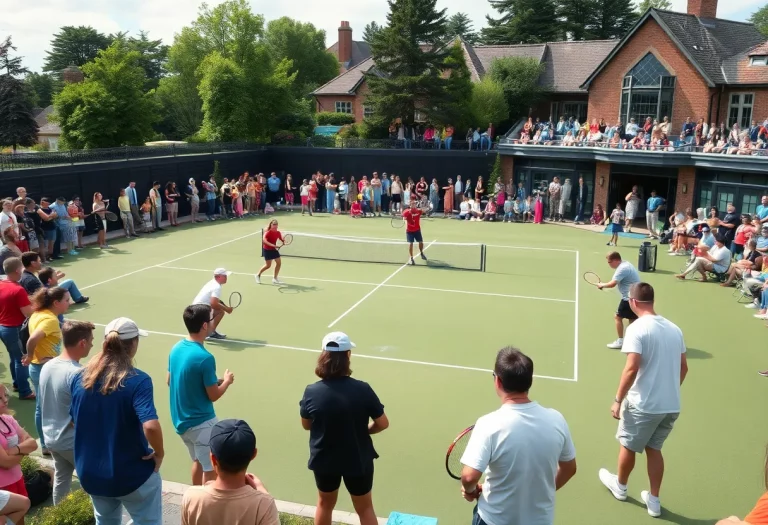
[598, 215]
[744, 233]
[517, 209]
[477, 214]
[356, 211]
[743, 268]
[527, 208]
[13, 507]
[50, 278]
[638, 141]
[709, 146]
[465, 210]
[15, 443]
[569, 140]
[490, 211]
[717, 260]
[235, 497]
[684, 233]
[508, 213]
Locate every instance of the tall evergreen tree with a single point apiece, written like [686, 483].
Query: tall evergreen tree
[370, 31]
[612, 18]
[410, 58]
[576, 17]
[523, 22]
[17, 123]
[42, 87]
[459, 25]
[74, 45]
[645, 5]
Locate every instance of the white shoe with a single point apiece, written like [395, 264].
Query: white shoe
[761, 316]
[652, 504]
[277, 281]
[753, 306]
[611, 482]
[617, 344]
[258, 279]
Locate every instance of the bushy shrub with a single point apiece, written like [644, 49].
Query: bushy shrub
[320, 141]
[298, 122]
[329, 118]
[288, 137]
[41, 146]
[29, 466]
[349, 131]
[75, 509]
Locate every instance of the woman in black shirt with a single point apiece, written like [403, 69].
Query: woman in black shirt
[341, 414]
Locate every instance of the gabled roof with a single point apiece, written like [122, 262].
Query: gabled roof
[708, 43]
[346, 83]
[46, 128]
[360, 51]
[41, 117]
[567, 64]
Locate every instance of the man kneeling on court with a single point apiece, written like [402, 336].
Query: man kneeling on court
[210, 294]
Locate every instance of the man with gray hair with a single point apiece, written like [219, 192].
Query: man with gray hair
[647, 402]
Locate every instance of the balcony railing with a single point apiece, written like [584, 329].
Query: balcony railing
[677, 147]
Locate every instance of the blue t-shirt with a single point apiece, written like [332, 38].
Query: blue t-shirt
[708, 239]
[109, 437]
[63, 217]
[654, 203]
[273, 183]
[385, 183]
[192, 369]
[625, 276]
[762, 212]
[762, 243]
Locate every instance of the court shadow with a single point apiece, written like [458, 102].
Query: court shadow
[295, 288]
[672, 517]
[695, 353]
[664, 272]
[236, 345]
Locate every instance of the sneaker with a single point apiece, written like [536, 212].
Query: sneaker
[217, 335]
[617, 344]
[752, 306]
[652, 504]
[412, 262]
[761, 316]
[73, 252]
[764, 373]
[258, 279]
[84, 299]
[30, 397]
[45, 452]
[611, 482]
[277, 281]
[424, 257]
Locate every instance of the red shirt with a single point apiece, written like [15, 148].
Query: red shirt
[412, 219]
[13, 298]
[272, 236]
[312, 189]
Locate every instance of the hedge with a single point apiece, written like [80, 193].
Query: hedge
[75, 509]
[329, 118]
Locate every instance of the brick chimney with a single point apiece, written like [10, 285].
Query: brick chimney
[72, 75]
[703, 8]
[345, 43]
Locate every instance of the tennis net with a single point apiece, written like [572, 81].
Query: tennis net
[459, 256]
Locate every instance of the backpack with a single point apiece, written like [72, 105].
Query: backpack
[24, 335]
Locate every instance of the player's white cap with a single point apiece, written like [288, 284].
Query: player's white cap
[221, 271]
[337, 342]
[125, 328]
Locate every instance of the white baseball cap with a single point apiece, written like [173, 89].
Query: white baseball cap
[339, 342]
[125, 328]
[221, 271]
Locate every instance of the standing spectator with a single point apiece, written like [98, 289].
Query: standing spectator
[376, 186]
[157, 205]
[48, 226]
[652, 214]
[236, 497]
[582, 194]
[226, 199]
[341, 414]
[118, 438]
[194, 200]
[449, 130]
[728, 224]
[78, 220]
[8, 217]
[133, 200]
[172, 203]
[44, 342]
[14, 309]
[554, 198]
[56, 401]
[385, 191]
[273, 189]
[632, 208]
[647, 403]
[688, 129]
[11, 248]
[524, 449]
[458, 191]
[99, 211]
[194, 389]
[289, 192]
[123, 204]
[15, 443]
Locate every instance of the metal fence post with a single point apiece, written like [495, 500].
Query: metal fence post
[71, 158]
[126, 153]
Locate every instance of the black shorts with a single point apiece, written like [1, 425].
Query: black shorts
[271, 254]
[356, 485]
[414, 236]
[625, 312]
[396, 197]
[99, 223]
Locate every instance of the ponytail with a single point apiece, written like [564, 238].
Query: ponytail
[112, 365]
[44, 298]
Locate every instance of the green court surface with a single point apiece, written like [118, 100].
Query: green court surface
[426, 340]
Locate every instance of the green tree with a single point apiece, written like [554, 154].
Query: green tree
[304, 46]
[489, 104]
[611, 19]
[494, 176]
[576, 17]
[519, 78]
[74, 45]
[42, 87]
[523, 22]
[224, 91]
[17, 123]
[760, 19]
[645, 5]
[182, 108]
[455, 109]
[409, 55]
[370, 31]
[109, 108]
[459, 25]
[152, 56]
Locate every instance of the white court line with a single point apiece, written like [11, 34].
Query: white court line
[402, 286]
[366, 296]
[576, 325]
[536, 248]
[364, 356]
[172, 260]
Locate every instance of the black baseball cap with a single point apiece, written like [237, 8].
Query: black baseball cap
[232, 444]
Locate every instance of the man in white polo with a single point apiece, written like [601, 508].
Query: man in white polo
[647, 402]
[210, 294]
[524, 450]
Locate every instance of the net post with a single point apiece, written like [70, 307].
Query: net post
[262, 242]
[482, 257]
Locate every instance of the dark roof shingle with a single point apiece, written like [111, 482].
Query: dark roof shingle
[347, 82]
[360, 51]
[568, 64]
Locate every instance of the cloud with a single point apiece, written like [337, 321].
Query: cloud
[33, 24]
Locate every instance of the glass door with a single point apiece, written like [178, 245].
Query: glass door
[749, 201]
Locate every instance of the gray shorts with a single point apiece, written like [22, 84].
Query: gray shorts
[197, 440]
[638, 430]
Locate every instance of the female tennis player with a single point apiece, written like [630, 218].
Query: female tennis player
[271, 252]
[412, 218]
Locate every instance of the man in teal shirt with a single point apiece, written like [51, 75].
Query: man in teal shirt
[652, 214]
[194, 389]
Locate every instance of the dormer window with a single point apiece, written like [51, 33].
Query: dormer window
[758, 60]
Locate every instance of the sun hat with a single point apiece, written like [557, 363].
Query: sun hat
[125, 328]
[221, 271]
[337, 342]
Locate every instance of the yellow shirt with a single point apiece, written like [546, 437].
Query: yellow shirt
[47, 347]
[123, 203]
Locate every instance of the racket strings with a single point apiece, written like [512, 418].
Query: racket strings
[453, 461]
[235, 299]
[591, 277]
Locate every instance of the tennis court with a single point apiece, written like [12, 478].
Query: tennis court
[426, 338]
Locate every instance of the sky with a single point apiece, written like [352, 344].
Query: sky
[33, 23]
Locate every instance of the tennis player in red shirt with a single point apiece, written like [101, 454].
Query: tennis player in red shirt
[412, 218]
[271, 252]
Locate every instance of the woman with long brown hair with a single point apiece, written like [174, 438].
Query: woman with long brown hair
[99, 211]
[118, 439]
[341, 414]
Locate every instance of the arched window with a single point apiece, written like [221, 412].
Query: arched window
[648, 90]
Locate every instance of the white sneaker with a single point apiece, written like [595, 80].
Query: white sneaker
[652, 504]
[616, 345]
[752, 306]
[258, 279]
[611, 482]
[761, 316]
[277, 281]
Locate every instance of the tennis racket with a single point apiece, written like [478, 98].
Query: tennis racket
[235, 299]
[287, 239]
[453, 456]
[110, 216]
[592, 278]
[397, 222]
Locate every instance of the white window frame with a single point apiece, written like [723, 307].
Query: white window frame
[367, 111]
[343, 106]
[758, 60]
[741, 106]
[419, 116]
